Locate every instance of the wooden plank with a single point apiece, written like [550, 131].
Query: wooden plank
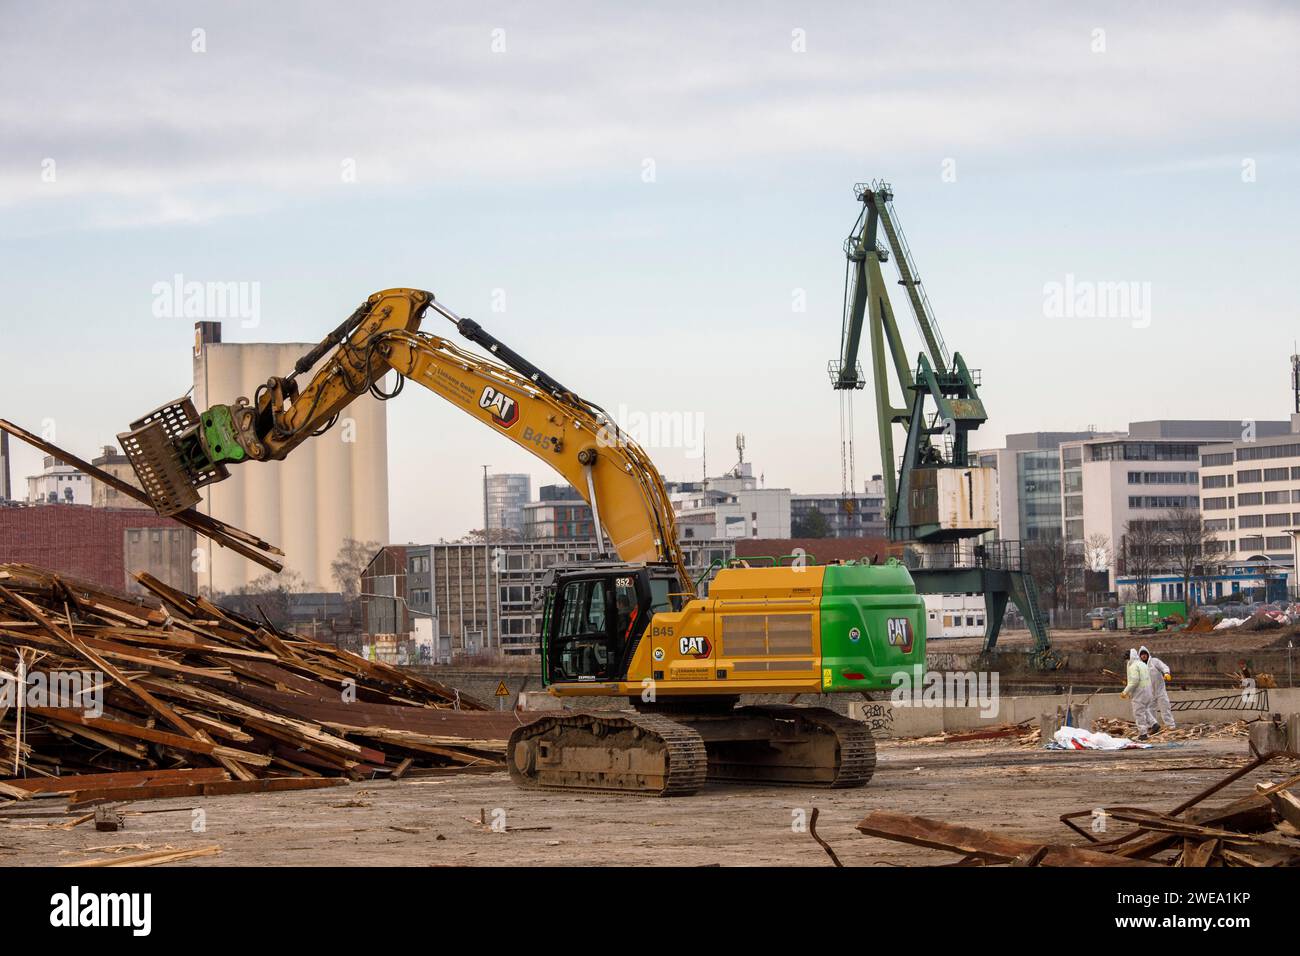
[176, 741]
[938, 835]
[128, 748]
[1249, 812]
[118, 677]
[465, 724]
[1287, 806]
[409, 738]
[220, 788]
[13, 793]
[152, 858]
[1157, 822]
[130, 778]
[152, 661]
[208, 684]
[1199, 854]
[304, 731]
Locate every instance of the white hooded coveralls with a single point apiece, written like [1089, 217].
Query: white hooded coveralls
[1160, 705]
[1138, 689]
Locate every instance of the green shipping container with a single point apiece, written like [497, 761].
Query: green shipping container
[1145, 615]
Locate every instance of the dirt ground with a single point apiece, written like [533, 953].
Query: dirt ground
[435, 821]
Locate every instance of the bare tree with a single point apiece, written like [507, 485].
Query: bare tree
[1051, 562]
[1189, 545]
[1141, 550]
[1097, 552]
[353, 559]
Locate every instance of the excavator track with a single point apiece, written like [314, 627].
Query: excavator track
[787, 745]
[653, 754]
[610, 752]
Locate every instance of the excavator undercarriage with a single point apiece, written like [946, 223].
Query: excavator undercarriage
[672, 753]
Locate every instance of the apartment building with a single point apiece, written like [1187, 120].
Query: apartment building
[558, 514]
[1250, 498]
[731, 506]
[1029, 482]
[853, 516]
[1109, 483]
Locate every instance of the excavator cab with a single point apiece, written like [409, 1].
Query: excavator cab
[594, 617]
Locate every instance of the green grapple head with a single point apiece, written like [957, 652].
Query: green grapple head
[175, 452]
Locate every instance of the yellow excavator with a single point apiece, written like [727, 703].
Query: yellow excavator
[629, 625]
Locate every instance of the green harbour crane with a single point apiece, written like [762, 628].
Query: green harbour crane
[939, 504]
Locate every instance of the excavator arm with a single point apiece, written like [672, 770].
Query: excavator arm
[176, 450]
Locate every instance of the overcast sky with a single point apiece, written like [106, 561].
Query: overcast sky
[640, 199]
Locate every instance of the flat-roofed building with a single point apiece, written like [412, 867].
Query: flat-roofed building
[1250, 500]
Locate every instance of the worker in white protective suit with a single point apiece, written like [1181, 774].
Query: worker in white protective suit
[1160, 677]
[1138, 690]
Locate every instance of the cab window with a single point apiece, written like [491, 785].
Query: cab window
[582, 642]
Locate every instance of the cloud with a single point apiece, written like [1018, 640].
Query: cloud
[148, 131]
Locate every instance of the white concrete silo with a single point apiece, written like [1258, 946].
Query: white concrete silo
[329, 489]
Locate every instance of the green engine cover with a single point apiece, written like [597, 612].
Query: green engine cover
[872, 624]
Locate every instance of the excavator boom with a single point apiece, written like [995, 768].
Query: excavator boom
[176, 451]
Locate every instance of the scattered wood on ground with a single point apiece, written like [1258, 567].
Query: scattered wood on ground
[1259, 830]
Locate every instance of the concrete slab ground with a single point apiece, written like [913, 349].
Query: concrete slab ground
[434, 821]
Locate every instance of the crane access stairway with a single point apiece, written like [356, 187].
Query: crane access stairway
[1028, 601]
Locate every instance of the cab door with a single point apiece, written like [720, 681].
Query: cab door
[579, 632]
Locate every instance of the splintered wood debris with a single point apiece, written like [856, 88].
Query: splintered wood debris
[1259, 830]
[110, 697]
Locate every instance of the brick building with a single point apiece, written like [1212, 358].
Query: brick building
[100, 545]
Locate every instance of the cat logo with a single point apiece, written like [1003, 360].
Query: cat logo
[694, 646]
[899, 631]
[503, 408]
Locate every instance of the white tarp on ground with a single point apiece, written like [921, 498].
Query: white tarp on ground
[1076, 738]
[1228, 622]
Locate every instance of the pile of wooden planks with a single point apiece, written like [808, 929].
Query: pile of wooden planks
[1258, 830]
[1197, 731]
[104, 695]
